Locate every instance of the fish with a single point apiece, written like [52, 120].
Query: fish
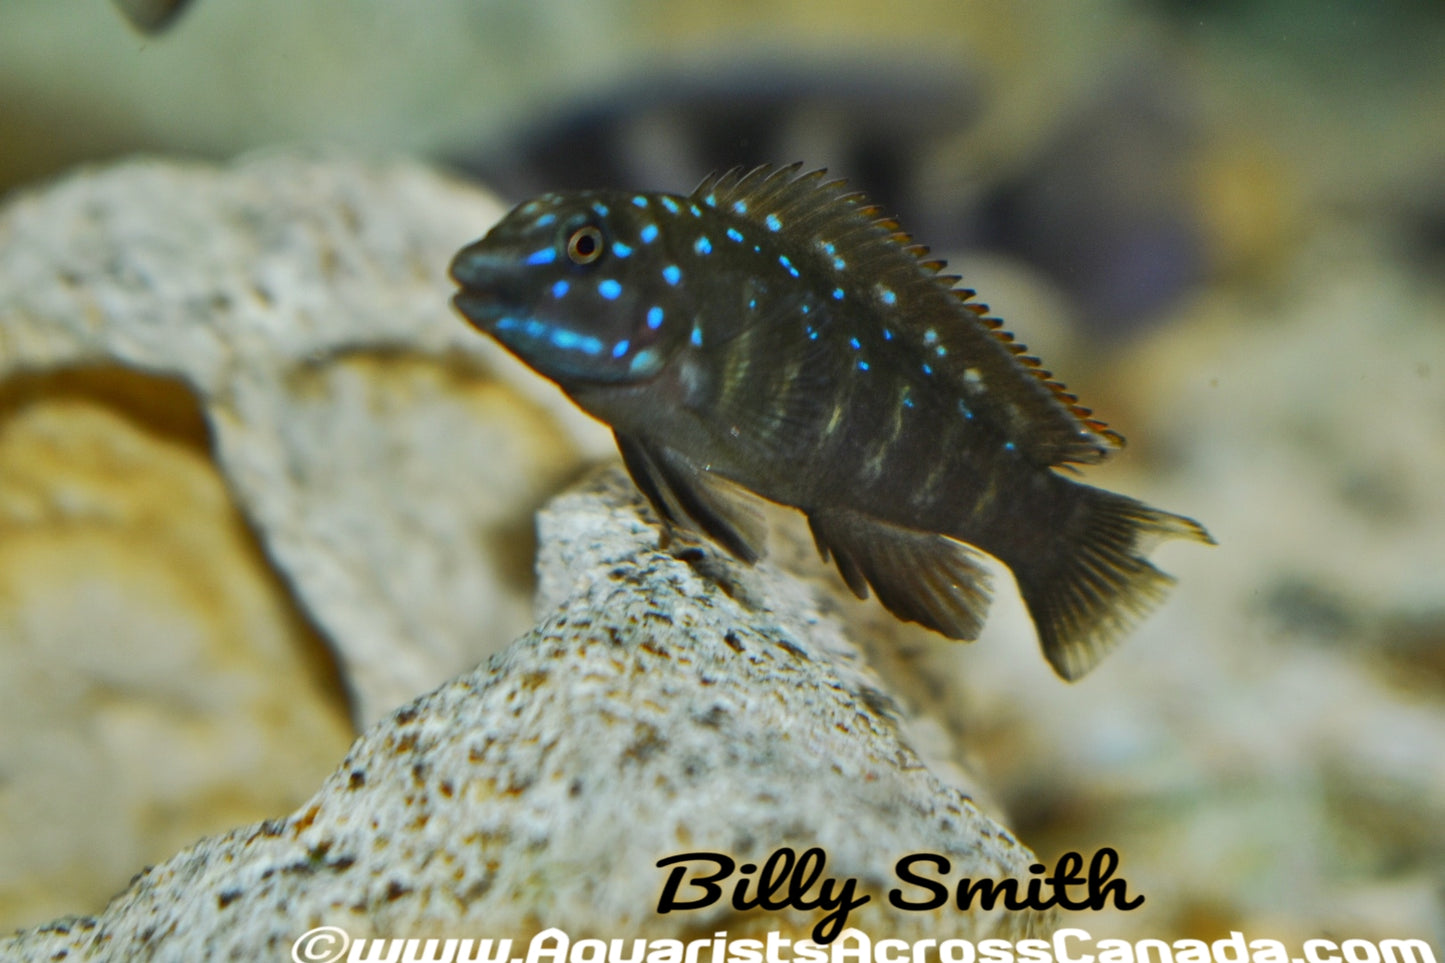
[775, 335]
[1121, 248]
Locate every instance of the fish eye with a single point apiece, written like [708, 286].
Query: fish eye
[584, 245]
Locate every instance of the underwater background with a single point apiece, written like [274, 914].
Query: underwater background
[1221, 223]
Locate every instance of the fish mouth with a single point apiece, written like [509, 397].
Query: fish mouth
[482, 278]
[476, 306]
[475, 268]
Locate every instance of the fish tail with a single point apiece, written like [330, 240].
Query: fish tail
[1097, 585]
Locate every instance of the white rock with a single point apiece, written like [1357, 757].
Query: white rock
[386, 455]
[664, 706]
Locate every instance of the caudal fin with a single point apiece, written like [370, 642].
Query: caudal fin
[1097, 587]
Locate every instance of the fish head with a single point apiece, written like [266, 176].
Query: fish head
[562, 283]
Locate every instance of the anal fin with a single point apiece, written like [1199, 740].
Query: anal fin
[921, 577]
[681, 492]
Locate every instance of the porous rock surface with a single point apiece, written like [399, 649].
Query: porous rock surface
[259, 486]
[148, 658]
[670, 701]
[373, 442]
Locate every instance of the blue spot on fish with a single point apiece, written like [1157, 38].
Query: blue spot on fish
[964, 410]
[649, 233]
[702, 245]
[610, 289]
[735, 235]
[854, 343]
[560, 288]
[654, 317]
[783, 260]
[670, 204]
[565, 339]
[928, 369]
[710, 200]
[621, 249]
[887, 334]
[601, 209]
[672, 273]
[773, 223]
[642, 360]
[837, 294]
[620, 348]
[697, 337]
[941, 351]
[639, 201]
[888, 296]
[1008, 446]
[546, 219]
[584, 343]
[839, 264]
[740, 206]
[862, 366]
[930, 336]
[545, 256]
[696, 211]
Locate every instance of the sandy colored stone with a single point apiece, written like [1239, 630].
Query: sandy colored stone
[672, 701]
[386, 456]
[241, 426]
[153, 672]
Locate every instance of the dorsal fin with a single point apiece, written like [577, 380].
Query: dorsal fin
[952, 334]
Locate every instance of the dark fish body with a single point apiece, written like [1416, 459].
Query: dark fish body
[771, 332]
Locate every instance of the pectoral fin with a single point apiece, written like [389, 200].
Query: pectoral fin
[919, 576]
[682, 492]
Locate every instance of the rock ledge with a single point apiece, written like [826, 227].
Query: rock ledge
[671, 701]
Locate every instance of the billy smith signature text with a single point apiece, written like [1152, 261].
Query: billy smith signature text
[786, 880]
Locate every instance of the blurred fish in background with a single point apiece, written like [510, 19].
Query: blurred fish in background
[1096, 199]
[1101, 207]
[667, 128]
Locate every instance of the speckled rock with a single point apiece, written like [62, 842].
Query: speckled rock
[386, 457]
[240, 426]
[671, 702]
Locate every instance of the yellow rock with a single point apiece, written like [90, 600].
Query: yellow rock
[156, 682]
